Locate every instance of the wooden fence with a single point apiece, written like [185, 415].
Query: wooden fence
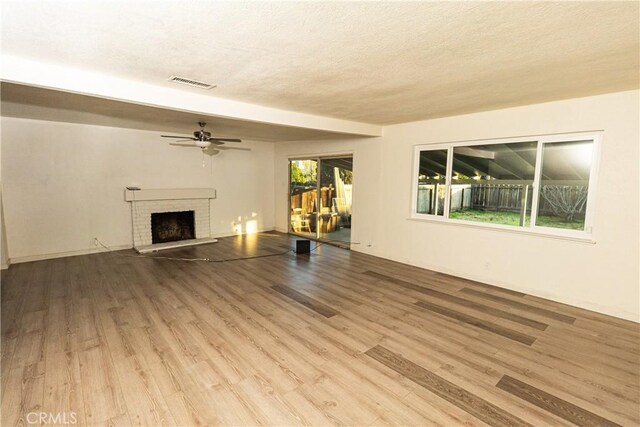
[305, 198]
[503, 197]
[498, 197]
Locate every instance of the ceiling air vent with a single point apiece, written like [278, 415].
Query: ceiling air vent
[190, 82]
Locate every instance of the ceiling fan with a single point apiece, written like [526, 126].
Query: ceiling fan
[201, 139]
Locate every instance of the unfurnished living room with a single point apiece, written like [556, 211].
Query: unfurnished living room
[320, 213]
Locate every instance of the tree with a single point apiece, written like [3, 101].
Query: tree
[346, 176]
[311, 171]
[296, 174]
[565, 200]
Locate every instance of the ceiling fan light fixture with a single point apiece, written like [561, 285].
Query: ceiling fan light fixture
[201, 143]
[203, 140]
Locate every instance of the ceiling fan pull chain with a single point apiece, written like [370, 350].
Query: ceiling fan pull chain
[203, 165]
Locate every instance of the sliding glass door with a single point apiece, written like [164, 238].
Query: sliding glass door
[320, 194]
[303, 198]
[336, 176]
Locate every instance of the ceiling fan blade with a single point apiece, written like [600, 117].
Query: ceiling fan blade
[233, 148]
[179, 144]
[225, 139]
[179, 137]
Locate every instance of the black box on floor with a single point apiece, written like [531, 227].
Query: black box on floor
[303, 246]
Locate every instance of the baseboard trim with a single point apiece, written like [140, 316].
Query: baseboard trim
[88, 251]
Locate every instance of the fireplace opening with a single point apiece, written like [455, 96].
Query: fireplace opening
[172, 226]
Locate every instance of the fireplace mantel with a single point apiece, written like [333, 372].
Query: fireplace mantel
[169, 194]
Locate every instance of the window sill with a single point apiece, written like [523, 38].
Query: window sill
[580, 237]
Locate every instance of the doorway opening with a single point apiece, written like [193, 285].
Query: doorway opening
[320, 198]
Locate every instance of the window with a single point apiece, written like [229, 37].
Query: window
[564, 184]
[491, 183]
[541, 184]
[432, 182]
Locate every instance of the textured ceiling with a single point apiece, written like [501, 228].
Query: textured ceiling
[376, 62]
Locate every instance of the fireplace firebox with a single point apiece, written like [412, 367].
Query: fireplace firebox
[172, 226]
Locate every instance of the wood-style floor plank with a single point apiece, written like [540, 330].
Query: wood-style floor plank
[521, 306]
[549, 402]
[123, 340]
[478, 323]
[307, 301]
[464, 302]
[454, 279]
[453, 394]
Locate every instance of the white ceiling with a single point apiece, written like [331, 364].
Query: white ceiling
[373, 62]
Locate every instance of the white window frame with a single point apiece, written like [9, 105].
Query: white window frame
[532, 229]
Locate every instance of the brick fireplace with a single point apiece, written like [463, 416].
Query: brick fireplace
[146, 203]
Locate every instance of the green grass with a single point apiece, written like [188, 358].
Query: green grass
[513, 218]
[557, 222]
[504, 218]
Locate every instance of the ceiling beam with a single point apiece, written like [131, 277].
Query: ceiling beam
[45, 75]
[474, 152]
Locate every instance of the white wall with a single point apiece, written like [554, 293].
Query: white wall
[602, 276]
[4, 257]
[64, 184]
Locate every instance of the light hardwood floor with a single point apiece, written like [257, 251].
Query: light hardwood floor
[332, 338]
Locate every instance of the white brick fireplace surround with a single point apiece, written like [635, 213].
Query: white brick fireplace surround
[146, 202]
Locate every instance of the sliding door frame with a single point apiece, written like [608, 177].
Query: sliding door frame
[318, 159]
